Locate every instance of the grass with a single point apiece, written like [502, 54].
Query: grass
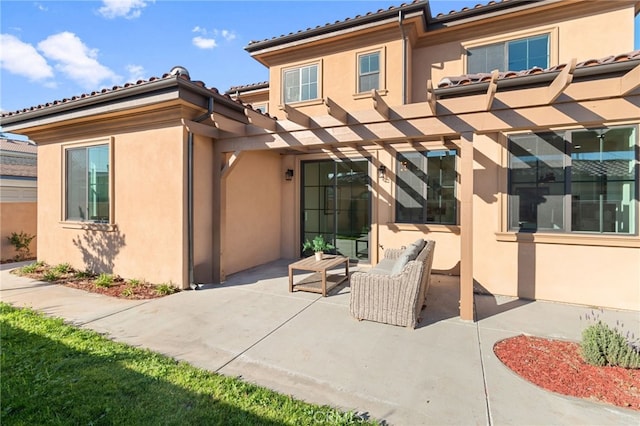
[56, 374]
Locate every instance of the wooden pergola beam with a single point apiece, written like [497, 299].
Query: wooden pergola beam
[491, 90]
[561, 82]
[230, 164]
[336, 111]
[260, 120]
[296, 116]
[228, 124]
[379, 104]
[630, 81]
[432, 99]
[201, 129]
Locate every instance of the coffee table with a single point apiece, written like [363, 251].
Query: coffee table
[320, 281]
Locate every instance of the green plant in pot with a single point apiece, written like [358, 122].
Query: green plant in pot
[318, 245]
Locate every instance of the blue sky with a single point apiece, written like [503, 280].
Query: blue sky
[51, 50]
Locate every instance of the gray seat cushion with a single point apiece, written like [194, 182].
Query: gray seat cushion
[384, 267]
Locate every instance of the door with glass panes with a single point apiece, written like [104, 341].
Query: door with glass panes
[336, 203]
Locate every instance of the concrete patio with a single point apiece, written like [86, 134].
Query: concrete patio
[443, 372]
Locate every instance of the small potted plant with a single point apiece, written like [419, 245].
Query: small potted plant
[318, 245]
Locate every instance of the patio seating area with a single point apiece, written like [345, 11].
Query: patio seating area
[309, 346]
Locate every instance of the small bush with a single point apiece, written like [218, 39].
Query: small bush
[165, 289]
[602, 345]
[30, 268]
[62, 268]
[135, 282]
[51, 275]
[20, 242]
[83, 274]
[127, 292]
[104, 280]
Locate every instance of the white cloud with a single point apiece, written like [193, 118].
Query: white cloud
[23, 59]
[210, 42]
[129, 9]
[228, 35]
[41, 7]
[77, 61]
[204, 43]
[136, 72]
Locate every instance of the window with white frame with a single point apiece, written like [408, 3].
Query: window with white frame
[513, 55]
[368, 72]
[87, 184]
[426, 187]
[300, 84]
[579, 181]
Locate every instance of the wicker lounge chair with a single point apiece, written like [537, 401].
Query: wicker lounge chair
[395, 290]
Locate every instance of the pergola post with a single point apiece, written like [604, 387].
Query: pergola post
[466, 227]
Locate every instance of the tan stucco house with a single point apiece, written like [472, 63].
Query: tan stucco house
[507, 133]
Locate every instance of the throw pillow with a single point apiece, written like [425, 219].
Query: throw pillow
[400, 263]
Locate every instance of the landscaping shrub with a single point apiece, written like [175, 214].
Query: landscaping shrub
[20, 242]
[602, 345]
[104, 280]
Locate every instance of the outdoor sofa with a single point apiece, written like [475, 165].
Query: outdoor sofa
[395, 290]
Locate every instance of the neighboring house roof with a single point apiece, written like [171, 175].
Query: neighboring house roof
[470, 79]
[18, 158]
[247, 88]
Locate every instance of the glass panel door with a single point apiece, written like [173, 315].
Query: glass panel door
[336, 204]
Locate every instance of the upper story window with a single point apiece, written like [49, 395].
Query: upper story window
[512, 55]
[87, 184]
[368, 72]
[263, 108]
[426, 187]
[574, 181]
[300, 84]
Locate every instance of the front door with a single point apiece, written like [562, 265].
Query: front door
[336, 203]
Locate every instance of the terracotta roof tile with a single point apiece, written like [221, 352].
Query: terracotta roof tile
[466, 79]
[14, 145]
[330, 24]
[248, 87]
[126, 86]
[467, 9]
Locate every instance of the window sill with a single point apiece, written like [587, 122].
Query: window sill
[570, 239]
[369, 94]
[90, 226]
[318, 101]
[424, 227]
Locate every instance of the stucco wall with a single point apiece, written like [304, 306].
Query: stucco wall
[17, 217]
[569, 271]
[591, 36]
[148, 210]
[338, 72]
[252, 212]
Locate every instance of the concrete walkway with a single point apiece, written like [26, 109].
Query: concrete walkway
[444, 372]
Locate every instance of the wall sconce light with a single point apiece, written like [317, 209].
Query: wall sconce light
[404, 166]
[382, 171]
[288, 175]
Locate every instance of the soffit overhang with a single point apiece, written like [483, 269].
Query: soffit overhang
[192, 98]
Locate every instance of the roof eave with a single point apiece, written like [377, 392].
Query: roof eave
[349, 24]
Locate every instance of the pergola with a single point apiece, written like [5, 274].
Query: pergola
[567, 96]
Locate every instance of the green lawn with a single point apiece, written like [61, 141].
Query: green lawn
[53, 373]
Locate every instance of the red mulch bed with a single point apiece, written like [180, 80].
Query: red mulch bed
[119, 288]
[558, 366]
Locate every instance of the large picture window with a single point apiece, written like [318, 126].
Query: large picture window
[87, 184]
[574, 181]
[426, 187]
[300, 84]
[513, 55]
